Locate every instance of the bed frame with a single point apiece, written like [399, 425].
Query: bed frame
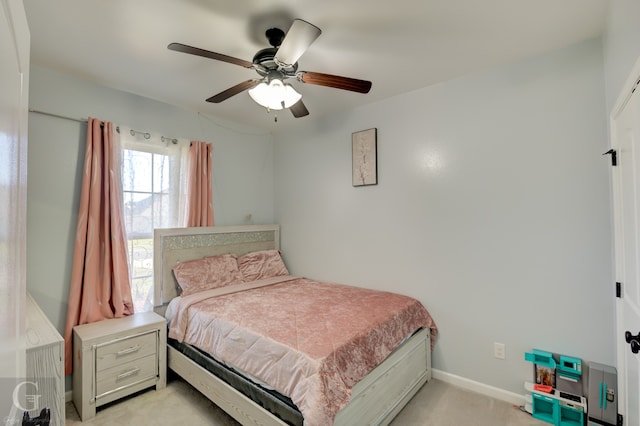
[376, 399]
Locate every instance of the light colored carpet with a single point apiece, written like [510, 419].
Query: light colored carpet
[437, 403]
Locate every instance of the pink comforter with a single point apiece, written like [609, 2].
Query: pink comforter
[309, 340]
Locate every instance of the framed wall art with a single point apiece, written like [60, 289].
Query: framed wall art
[364, 147]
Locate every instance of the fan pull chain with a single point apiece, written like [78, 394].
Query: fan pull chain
[275, 114]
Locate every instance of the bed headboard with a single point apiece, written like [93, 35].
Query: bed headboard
[175, 245]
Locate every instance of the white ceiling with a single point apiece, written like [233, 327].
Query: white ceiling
[399, 45]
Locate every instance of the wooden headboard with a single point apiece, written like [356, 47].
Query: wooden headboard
[174, 245]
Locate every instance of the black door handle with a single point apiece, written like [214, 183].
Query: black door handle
[633, 341]
[629, 337]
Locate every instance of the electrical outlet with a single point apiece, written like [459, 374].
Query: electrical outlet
[499, 350]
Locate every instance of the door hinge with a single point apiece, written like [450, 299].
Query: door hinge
[619, 290]
[620, 420]
[614, 156]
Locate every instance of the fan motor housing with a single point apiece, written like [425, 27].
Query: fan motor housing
[266, 57]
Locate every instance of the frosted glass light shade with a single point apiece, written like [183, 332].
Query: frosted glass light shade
[275, 95]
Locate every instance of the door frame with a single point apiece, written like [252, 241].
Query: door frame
[621, 345]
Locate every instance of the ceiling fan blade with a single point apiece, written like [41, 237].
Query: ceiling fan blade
[344, 83]
[297, 41]
[299, 109]
[226, 94]
[179, 47]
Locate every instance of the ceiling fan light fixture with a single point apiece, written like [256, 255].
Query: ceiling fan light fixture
[276, 64]
[276, 95]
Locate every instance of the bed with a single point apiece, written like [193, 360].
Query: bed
[255, 393]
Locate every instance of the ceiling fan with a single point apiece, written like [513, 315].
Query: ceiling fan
[275, 65]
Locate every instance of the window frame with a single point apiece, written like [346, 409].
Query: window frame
[176, 153]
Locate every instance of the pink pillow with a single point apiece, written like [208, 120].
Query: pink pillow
[208, 273]
[262, 264]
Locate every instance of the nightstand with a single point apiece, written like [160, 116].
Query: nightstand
[117, 357]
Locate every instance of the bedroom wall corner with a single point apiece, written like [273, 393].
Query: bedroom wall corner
[621, 46]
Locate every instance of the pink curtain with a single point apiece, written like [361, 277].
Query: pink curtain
[199, 206]
[100, 287]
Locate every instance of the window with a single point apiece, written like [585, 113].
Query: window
[151, 193]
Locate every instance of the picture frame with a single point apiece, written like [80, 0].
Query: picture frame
[364, 154]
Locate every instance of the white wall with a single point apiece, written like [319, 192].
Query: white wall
[492, 208]
[242, 161]
[621, 46]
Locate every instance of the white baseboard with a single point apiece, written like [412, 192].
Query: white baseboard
[493, 392]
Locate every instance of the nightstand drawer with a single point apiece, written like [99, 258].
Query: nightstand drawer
[125, 350]
[122, 375]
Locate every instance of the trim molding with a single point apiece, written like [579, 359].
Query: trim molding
[626, 91]
[493, 392]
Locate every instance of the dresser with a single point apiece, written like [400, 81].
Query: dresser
[45, 362]
[117, 357]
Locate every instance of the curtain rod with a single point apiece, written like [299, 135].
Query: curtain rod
[64, 117]
[146, 135]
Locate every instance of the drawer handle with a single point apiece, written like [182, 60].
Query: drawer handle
[128, 351]
[127, 373]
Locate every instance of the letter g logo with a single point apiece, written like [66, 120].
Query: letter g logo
[29, 398]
